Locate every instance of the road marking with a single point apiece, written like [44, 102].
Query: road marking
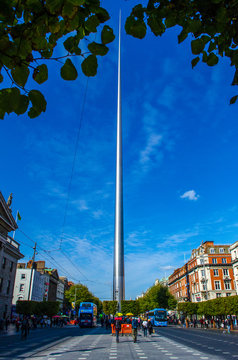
[173, 357]
[204, 357]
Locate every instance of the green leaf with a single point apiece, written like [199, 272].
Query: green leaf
[22, 104]
[98, 49]
[233, 99]
[182, 36]
[90, 65]
[69, 10]
[156, 25]
[107, 35]
[71, 45]
[195, 61]
[54, 6]
[37, 100]
[212, 46]
[197, 46]
[20, 74]
[235, 79]
[68, 71]
[77, 2]
[212, 59]
[102, 15]
[136, 28]
[92, 23]
[40, 74]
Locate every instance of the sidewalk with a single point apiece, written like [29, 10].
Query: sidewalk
[12, 330]
[221, 330]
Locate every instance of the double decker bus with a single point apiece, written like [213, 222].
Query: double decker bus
[87, 315]
[158, 317]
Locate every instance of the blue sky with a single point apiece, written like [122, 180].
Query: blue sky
[180, 163]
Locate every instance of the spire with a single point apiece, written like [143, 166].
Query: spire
[118, 273]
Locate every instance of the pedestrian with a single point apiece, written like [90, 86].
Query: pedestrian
[134, 325]
[24, 328]
[102, 321]
[144, 325]
[118, 329]
[150, 327]
[228, 324]
[7, 322]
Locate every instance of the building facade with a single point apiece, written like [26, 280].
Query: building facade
[9, 256]
[29, 285]
[234, 260]
[207, 275]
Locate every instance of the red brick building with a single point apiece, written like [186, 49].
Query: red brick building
[207, 275]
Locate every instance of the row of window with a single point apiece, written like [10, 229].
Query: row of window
[8, 286]
[221, 250]
[219, 294]
[216, 272]
[4, 264]
[214, 261]
[218, 285]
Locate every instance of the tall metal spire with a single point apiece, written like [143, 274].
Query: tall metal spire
[118, 273]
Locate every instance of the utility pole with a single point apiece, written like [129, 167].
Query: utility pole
[33, 260]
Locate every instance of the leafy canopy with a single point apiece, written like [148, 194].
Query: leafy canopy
[31, 29]
[213, 25]
[29, 33]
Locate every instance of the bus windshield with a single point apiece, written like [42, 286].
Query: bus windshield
[86, 306]
[160, 315]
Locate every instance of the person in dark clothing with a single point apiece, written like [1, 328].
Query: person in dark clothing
[102, 321]
[118, 329]
[24, 328]
[134, 325]
[150, 327]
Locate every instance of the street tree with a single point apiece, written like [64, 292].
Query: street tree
[79, 293]
[158, 296]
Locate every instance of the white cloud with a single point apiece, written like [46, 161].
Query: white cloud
[82, 205]
[151, 148]
[190, 195]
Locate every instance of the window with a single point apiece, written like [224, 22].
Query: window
[11, 266]
[227, 285]
[212, 251]
[214, 261]
[228, 294]
[217, 285]
[23, 276]
[221, 250]
[4, 260]
[8, 286]
[21, 287]
[202, 261]
[202, 272]
[1, 282]
[225, 272]
[223, 260]
[218, 295]
[215, 272]
[204, 287]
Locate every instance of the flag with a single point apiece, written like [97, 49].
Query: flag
[18, 216]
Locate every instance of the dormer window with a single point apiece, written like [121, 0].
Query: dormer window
[221, 250]
[212, 251]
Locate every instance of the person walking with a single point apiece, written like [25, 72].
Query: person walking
[228, 324]
[24, 328]
[118, 329]
[134, 325]
[150, 327]
[144, 325]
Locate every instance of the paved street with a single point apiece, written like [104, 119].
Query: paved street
[98, 344]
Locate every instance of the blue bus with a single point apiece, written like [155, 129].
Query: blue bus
[87, 315]
[158, 317]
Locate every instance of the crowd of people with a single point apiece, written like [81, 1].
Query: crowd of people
[136, 324]
[23, 324]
